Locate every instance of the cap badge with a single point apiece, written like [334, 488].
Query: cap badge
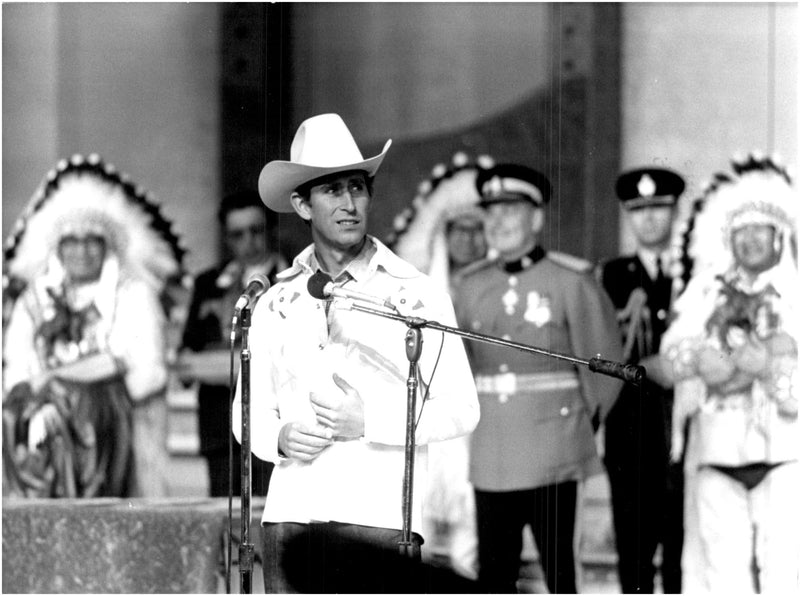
[495, 186]
[646, 186]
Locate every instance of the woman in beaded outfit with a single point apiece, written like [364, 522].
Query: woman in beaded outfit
[84, 354]
[733, 348]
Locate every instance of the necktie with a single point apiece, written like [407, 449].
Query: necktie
[659, 271]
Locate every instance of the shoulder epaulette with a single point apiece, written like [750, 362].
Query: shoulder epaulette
[570, 261]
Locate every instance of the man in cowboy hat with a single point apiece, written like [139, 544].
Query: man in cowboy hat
[328, 382]
[534, 442]
[646, 490]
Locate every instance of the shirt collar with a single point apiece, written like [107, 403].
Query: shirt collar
[649, 259]
[536, 254]
[374, 255]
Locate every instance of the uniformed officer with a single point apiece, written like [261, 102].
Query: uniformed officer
[646, 490]
[534, 441]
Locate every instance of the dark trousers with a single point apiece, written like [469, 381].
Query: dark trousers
[260, 473]
[337, 558]
[550, 511]
[646, 490]
[647, 513]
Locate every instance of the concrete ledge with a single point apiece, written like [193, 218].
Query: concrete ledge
[113, 545]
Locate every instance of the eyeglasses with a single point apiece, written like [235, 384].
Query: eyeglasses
[92, 242]
[465, 229]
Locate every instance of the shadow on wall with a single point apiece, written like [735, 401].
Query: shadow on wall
[542, 132]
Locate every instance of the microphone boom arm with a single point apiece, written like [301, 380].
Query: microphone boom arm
[630, 373]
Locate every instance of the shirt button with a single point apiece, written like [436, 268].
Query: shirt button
[661, 314]
[564, 411]
[512, 281]
[507, 337]
[504, 368]
[503, 398]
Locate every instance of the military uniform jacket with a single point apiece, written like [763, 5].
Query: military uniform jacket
[535, 427]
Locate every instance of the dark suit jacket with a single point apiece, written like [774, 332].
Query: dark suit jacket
[638, 426]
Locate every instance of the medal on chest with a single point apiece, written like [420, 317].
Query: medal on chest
[511, 298]
[538, 309]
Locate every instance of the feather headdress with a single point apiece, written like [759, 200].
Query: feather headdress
[86, 195]
[758, 191]
[449, 192]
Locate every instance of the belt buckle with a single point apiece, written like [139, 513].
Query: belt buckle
[505, 383]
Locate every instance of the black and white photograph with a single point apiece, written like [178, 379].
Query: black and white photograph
[400, 297]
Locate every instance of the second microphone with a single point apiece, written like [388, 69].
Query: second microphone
[321, 286]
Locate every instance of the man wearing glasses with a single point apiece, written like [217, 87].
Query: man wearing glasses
[244, 226]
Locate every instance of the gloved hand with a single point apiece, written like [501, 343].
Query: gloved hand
[41, 425]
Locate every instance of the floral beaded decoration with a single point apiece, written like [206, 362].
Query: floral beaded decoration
[758, 190]
[418, 231]
[87, 194]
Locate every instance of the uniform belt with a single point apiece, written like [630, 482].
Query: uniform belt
[512, 383]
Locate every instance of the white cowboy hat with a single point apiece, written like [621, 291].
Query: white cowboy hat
[322, 145]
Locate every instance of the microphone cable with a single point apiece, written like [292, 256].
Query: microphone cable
[430, 380]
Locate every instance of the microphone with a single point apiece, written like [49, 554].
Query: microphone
[631, 373]
[320, 286]
[257, 285]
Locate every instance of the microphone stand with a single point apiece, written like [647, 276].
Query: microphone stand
[631, 373]
[413, 352]
[246, 549]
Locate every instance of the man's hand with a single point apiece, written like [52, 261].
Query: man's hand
[342, 413]
[658, 371]
[300, 441]
[41, 425]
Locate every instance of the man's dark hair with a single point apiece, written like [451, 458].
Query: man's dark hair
[304, 190]
[240, 200]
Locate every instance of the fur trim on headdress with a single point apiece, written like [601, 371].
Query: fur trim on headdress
[449, 193]
[85, 195]
[759, 191]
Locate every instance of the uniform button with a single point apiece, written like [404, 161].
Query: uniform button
[503, 398]
[507, 337]
[512, 281]
[476, 324]
[564, 411]
[503, 368]
[661, 314]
